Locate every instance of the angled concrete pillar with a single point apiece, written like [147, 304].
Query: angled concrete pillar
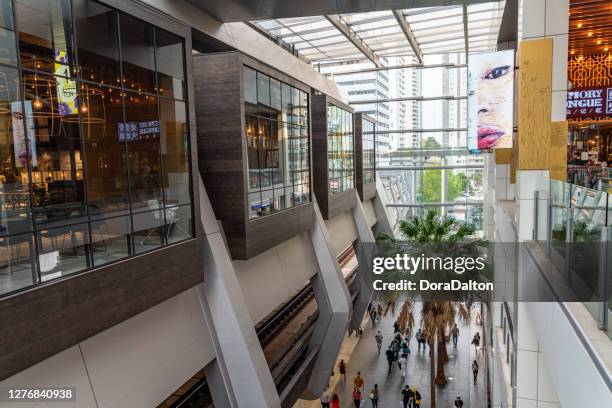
[241, 365]
[380, 209]
[334, 304]
[365, 250]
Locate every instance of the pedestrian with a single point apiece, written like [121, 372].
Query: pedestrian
[396, 328]
[455, 333]
[325, 399]
[475, 370]
[405, 350]
[374, 396]
[407, 396]
[357, 397]
[335, 401]
[407, 334]
[358, 381]
[379, 339]
[476, 341]
[378, 311]
[390, 358]
[369, 307]
[458, 402]
[419, 339]
[416, 401]
[403, 366]
[342, 369]
[373, 317]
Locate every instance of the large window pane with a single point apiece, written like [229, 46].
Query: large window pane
[169, 59]
[148, 229]
[110, 239]
[14, 194]
[52, 116]
[143, 152]
[104, 130]
[178, 223]
[250, 91]
[340, 149]
[6, 15]
[8, 54]
[137, 54]
[98, 43]
[175, 151]
[62, 250]
[45, 35]
[17, 262]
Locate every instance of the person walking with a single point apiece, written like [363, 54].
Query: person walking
[342, 369]
[358, 381]
[373, 317]
[403, 366]
[335, 401]
[379, 311]
[475, 371]
[476, 341]
[357, 397]
[390, 358]
[416, 401]
[455, 333]
[374, 396]
[458, 402]
[379, 340]
[420, 340]
[396, 327]
[325, 399]
[407, 396]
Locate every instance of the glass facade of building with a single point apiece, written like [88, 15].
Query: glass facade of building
[94, 139]
[278, 144]
[340, 149]
[368, 143]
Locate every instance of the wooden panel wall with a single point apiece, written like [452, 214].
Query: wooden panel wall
[534, 105]
[558, 150]
[319, 152]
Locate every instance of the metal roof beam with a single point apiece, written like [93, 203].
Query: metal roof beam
[403, 23]
[465, 29]
[350, 35]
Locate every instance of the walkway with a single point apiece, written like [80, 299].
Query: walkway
[364, 357]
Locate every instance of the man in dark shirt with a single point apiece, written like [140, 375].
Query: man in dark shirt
[390, 357]
[407, 396]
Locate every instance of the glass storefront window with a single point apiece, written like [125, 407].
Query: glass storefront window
[45, 36]
[368, 152]
[340, 154]
[278, 148]
[95, 166]
[98, 42]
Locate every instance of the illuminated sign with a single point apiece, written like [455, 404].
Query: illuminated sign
[130, 131]
[589, 103]
[21, 128]
[490, 100]
[66, 88]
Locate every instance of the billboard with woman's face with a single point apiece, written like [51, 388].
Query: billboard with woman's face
[490, 100]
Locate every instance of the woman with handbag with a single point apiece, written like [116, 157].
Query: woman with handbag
[357, 397]
[374, 396]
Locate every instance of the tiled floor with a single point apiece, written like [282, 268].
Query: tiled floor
[362, 356]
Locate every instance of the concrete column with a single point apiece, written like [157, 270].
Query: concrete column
[241, 365]
[365, 250]
[334, 304]
[540, 19]
[380, 209]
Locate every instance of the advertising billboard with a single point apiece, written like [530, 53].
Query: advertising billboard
[490, 100]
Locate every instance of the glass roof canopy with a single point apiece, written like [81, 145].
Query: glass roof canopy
[376, 36]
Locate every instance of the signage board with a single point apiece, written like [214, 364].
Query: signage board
[131, 131]
[589, 103]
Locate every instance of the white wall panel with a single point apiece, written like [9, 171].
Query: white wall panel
[342, 231]
[272, 277]
[368, 209]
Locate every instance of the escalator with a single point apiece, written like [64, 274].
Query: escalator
[285, 336]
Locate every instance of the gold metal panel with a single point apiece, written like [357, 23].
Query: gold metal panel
[534, 104]
[503, 156]
[558, 150]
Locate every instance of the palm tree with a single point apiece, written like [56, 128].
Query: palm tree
[436, 316]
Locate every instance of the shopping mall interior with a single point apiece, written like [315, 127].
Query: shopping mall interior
[192, 193]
